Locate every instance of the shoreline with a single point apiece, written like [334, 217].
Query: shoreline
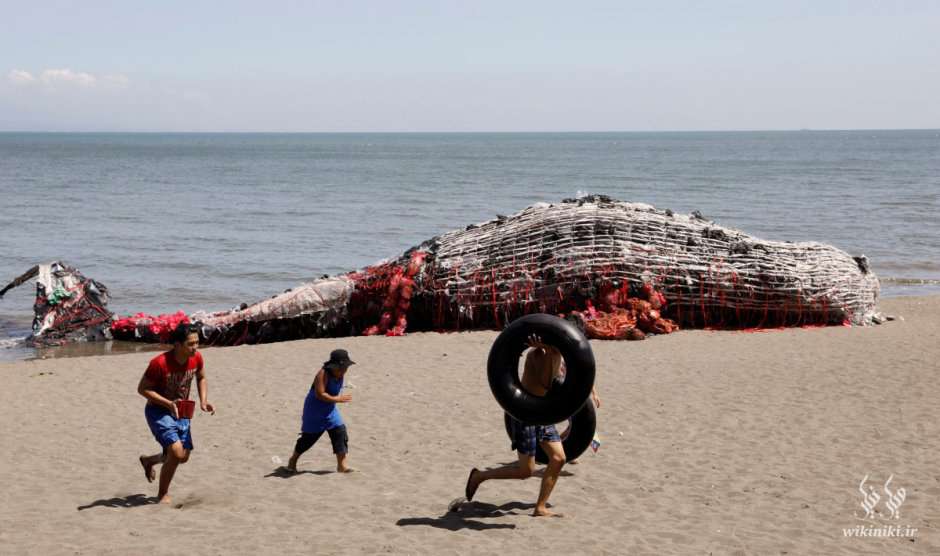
[116, 347]
[710, 442]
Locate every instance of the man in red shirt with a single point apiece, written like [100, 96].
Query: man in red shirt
[165, 383]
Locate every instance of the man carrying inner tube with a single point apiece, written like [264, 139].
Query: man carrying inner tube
[542, 367]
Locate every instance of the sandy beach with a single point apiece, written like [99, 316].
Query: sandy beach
[712, 442]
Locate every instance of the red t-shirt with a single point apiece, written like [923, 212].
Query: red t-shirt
[170, 379]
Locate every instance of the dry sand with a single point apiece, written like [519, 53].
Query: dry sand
[716, 442]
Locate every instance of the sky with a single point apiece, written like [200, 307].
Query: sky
[465, 66]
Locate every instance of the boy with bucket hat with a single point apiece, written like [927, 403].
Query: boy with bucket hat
[321, 415]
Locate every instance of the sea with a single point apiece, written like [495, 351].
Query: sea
[189, 221]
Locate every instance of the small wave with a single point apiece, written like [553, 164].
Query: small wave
[910, 281]
[7, 343]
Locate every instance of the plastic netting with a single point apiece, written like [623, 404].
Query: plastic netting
[555, 258]
[68, 307]
[622, 270]
[148, 327]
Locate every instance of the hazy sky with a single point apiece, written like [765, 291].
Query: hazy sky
[472, 65]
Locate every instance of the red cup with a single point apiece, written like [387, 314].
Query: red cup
[185, 409]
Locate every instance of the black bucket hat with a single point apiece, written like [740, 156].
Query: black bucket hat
[338, 358]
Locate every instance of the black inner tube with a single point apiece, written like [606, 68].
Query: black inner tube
[502, 370]
[581, 428]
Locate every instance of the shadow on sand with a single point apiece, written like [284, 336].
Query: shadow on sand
[468, 515]
[129, 501]
[283, 473]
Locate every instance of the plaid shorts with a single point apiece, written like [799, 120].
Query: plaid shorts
[525, 438]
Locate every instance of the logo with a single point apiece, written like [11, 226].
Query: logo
[871, 498]
[869, 503]
[895, 499]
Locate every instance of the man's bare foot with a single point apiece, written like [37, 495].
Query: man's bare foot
[346, 470]
[165, 499]
[149, 471]
[473, 482]
[542, 512]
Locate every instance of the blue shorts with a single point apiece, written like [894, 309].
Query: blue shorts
[525, 438]
[167, 430]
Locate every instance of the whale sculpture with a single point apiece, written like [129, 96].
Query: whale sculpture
[561, 258]
[557, 259]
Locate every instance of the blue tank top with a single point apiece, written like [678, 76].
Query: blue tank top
[319, 415]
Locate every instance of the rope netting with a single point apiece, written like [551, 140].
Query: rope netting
[556, 258]
[620, 270]
[393, 320]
